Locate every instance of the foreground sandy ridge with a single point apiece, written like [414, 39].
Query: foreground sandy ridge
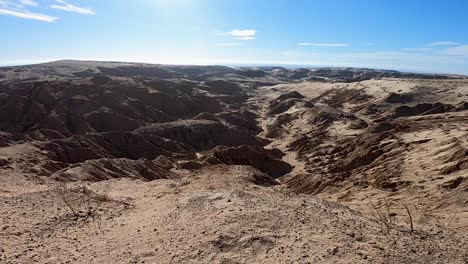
[216, 215]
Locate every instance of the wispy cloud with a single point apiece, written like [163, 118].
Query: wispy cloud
[443, 43]
[417, 49]
[17, 4]
[27, 15]
[19, 8]
[243, 33]
[229, 44]
[323, 44]
[245, 38]
[28, 3]
[458, 51]
[65, 6]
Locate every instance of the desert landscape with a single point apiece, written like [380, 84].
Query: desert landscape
[117, 162]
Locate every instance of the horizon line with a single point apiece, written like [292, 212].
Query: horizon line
[291, 65]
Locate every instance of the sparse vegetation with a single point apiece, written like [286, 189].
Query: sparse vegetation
[79, 201]
[388, 218]
[410, 218]
[385, 219]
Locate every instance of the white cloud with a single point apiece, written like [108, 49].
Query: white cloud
[459, 51]
[28, 3]
[417, 49]
[17, 4]
[27, 15]
[323, 44]
[245, 38]
[72, 8]
[246, 34]
[228, 44]
[243, 33]
[443, 43]
[18, 8]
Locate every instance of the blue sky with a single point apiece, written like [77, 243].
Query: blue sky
[421, 36]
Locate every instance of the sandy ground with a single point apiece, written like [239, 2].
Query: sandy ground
[216, 215]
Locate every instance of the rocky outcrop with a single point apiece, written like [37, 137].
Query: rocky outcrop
[362, 151]
[101, 79]
[337, 97]
[279, 107]
[251, 73]
[267, 161]
[6, 139]
[284, 102]
[222, 87]
[333, 74]
[394, 98]
[290, 95]
[201, 134]
[242, 120]
[462, 106]
[102, 104]
[382, 127]
[105, 169]
[130, 145]
[423, 109]
[4, 163]
[132, 71]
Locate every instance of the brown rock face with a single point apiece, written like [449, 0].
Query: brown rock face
[201, 134]
[423, 109]
[285, 102]
[6, 139]
[267, 161]
[113, 145]
[222, 87]
[362, 152]
[110, 120]
[394, 98]
[105, 169]
[101, 104]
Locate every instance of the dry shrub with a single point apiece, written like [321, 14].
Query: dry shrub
[79, 201]
[384, 217]
[388, 218]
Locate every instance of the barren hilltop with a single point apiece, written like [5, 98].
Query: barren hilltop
[111, 162]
